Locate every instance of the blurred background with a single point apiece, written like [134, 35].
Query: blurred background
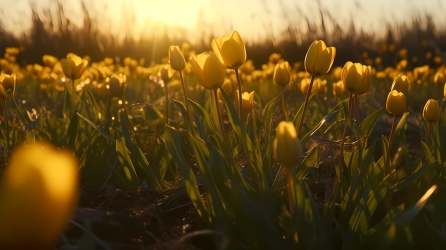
[146, 28]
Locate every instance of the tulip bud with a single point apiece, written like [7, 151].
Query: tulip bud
[230, 50]
[73, 67]
[287, 147]
[401, 84]
[338, 89]
[319, 87]
[247, 102]
[282, 74]
[176, 58]
[8, 82]
[117, 85]
[420, 72]
[396, 102]
[439, 78]
[431, 112]
[38, 193]
[319, 58]
[166, 72]
[356, 77]
[208, 70]
[305, 84]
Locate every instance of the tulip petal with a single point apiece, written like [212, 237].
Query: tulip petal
[310, 58]
[216, 47]
[323, 62]
[236, 36]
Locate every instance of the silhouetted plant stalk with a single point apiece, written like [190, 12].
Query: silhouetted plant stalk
[341, 156]
[283, 104]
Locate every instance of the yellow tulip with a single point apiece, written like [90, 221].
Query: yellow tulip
[401, 84]
[319, 58]
[356, 77]
[230, 50]
[274, 58]
[421, 72]
[396, 102]
[319, 87]
[73, 67]
[49, 61]
[431, 111]
[117, 85]
[287, 147]
[338, 89]
[336, 74]
[439, 78]
[247, 102]
[8, 82]
[208, 70]
[166, 72]
[304, 85]
[177, 61]
[38, 193]
[282, 74]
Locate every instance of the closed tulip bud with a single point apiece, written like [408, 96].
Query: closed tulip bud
[38, 193]
[401, 84]
[305, 84]
[282, 74]
[8, 82]
[338, 89]
[356, 77]
[177, 61]
[319, 87]
[439, 78]
[396, 103]
[117, 85]
[166, 72]
[208, 70]
[287, 147]
[247, 102]
[431, 112]
[73, 67]
[319, 58]
[230, 50]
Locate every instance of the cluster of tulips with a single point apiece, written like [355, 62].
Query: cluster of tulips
[46, 179]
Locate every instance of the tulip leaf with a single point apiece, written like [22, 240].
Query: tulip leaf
[173, 144]
[127, 165]
[428, 152]
[330, 118]
[438, 145]
[139, 157]
[269, 137]
[108, 137]
[72, 132]
[369, 123]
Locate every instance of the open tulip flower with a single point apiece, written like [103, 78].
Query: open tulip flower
[401, 84]
[230, 50]
[39, 191]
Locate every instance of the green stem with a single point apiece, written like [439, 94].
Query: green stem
[390, 142]
[7, 125]
[242, 125]
[356, 108]
[167, 104]
[289, 180]
[17, 107]
[283, 104]
[341, 156]
[220, 120]
[185, 99]
[430, 134]
[305, 105]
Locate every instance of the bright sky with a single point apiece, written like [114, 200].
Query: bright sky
[252, 18]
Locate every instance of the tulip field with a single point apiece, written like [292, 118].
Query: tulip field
[208, 151]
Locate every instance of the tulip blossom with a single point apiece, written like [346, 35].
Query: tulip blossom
[230, 50]
[319, 58]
